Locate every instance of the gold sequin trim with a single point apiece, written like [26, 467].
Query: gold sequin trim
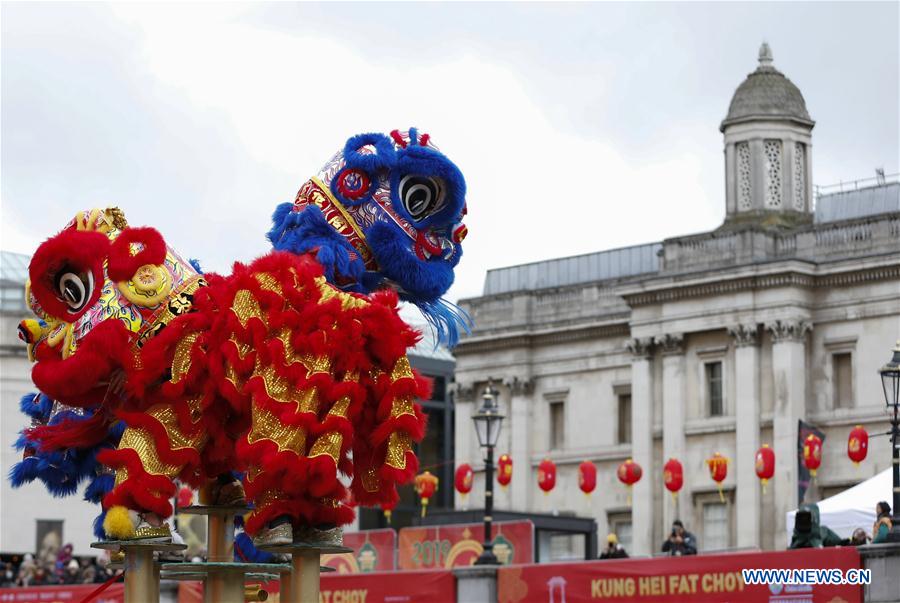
[402, 369]
[266, 426]
[320, 364]
[279, 389]
[181, 362]
[370, 480]
[403, 406]
[268, 282]
[168, 418]
[245, 307]
[339, 408]
[269, 497]
[398, 444]
[329, 443]
[328, 292]
[141, 441]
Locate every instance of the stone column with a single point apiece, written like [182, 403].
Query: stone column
[642, 445]
[521, 488]
[789, 368]
[746, 415]
[673, 394]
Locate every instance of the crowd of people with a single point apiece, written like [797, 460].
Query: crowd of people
[64, 568]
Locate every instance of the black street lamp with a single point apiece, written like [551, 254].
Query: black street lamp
[890, 381]
[488, 421]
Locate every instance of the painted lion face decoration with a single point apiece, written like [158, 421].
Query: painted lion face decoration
[102, 288]
[384, 211]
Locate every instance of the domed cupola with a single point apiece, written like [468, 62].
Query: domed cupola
[768, 139]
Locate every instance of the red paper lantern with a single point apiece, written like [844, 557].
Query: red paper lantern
[765, 465]
[463, 480]
[426, 485]
[388, 509]
[587, 477]
[718, 470]
[547, 475]
[858, 444]
[629, 473]
[812, 453]
[504, 470]
[673, 476]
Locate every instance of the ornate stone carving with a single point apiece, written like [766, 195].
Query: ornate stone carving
[640, 347]
[670, 343]
[744, 334]
[519, 387]
[465, 392]
[788, 330]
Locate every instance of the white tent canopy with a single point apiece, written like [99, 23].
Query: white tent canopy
[853, 508]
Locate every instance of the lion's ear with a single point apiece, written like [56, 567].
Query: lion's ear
[133, 248]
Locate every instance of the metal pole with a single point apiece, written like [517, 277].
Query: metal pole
[895, 457]
[488, 557]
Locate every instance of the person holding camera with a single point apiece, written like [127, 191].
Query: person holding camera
[680, 541]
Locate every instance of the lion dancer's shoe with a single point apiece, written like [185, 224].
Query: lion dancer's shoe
[224, 491]
[122, 523]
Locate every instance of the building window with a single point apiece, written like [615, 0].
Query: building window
[743, 172]
[620, 525]
[557, 425]
[716, 527]
[842, 377]
[623, 432]
[773, 173]
[439, 389]
[714, 397]
[799, 174]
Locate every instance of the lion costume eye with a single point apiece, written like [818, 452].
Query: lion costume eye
[422, 196]
[74, 289]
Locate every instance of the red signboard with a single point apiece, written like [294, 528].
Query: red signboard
[460, 544]
[701, 578]
[74, 593]
[373, 550]
[438, 586]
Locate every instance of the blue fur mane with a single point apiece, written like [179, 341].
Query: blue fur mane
[446, 319]
[308, 231]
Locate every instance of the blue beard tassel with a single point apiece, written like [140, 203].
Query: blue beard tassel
[36, 406]
[445, 319]
[99, 532]
[99, 487]
[23, 472]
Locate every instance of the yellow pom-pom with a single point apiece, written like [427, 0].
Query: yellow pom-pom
[117, 523]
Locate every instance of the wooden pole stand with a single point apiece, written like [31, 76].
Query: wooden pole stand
[302, 584]
[141, 570]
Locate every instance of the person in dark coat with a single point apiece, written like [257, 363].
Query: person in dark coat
[613, 549]
[883, 523]
[807, 531]
[680, 541]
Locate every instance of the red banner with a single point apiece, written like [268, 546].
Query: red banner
[373, 550]
[460, 544]
[425, 586]
[701, 578]
[62, 594]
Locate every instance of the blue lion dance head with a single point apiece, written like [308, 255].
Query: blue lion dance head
[386, 211]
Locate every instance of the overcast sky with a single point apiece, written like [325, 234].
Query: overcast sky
[579, 127]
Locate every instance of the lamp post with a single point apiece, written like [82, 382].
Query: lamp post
[488, 421]
[890, 381]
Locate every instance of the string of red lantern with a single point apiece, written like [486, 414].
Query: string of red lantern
[504, 470]
[718, 471]
[463, 480]
[388, 509]
[426, 485]
[547, 475]
[812, 453]
[858, 444]
[629, 473]
[587, 477]
[765, 465]
[673, 477]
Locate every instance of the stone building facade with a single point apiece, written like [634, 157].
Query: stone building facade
[716, 342]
